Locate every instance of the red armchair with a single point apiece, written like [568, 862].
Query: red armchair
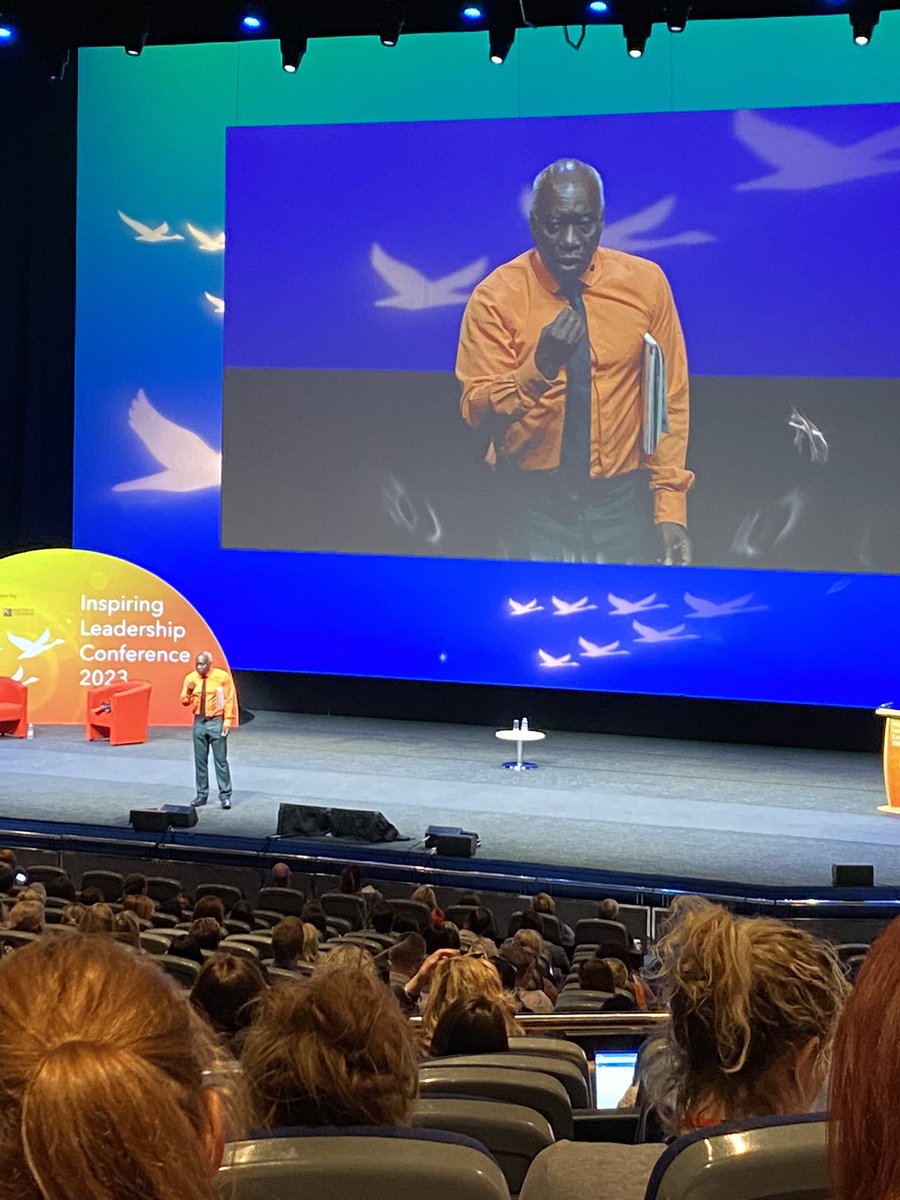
[13, 707]
[124, 723]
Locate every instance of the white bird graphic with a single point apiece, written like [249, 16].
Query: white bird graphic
[146, 233]
[211, 243]
[19, 677]
[675, 634]
[190, 465]
[520, 610]
[547, 660]
[564, 608]
[31, 649]
[806, 161]
[624, 234]
[729, 608]
[625, 608]
[591, 650]
[414, 292]
[218, 304]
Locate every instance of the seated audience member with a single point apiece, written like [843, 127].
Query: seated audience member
[141, 905]
[536, 946]
[89, 896]
[332, 1051]
[411, 970]
[608, 975]
[209, 906]
[127, 930]
[405, 923]
[7, 878]
[207, 932]
[94, 1040]
[99, 918]
[134, 885]
[171, 908]
[72, 914]
[441, 934]
[8, 858]
[559, 960]
[405, 957]
[608, 910]
[280, 876]
[470, 899]
[381, 917]
[60, 887]
[530, 996]
[862, 1127]
[34, 891]
[347, 958]
[424, 894]
[543, 902]
[227, 992]
[186, 947]
[242, 911]
[314, 914]
[351, 884]
[27, 916]
[473, 1025]
[478, 927]
[293, 942]
[459, 978]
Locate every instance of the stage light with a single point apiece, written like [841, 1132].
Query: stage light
[472, 13]
[677, 13]
[292, 51]
[134, 46]
[501, 38]
[597, 7]
[391, 21]
[636, 31]
[863, 19]
[252, 20]
[7, 34]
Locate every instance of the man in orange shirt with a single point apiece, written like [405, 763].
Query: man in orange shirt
[210, 693]
[549, 359]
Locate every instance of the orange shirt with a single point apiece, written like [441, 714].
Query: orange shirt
[221, 700]
[625, 297]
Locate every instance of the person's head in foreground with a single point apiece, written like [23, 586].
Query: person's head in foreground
[567, 217]
[99, 918]
[863, 1128]
[461, 978]
[101, 1078]
[474, 1025]
[333, 1050]
[754, 1004]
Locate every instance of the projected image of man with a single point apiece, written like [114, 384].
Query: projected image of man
[549, 359]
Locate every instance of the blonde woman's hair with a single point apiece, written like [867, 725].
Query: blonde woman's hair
[457, 979]
[746, 995]
[99, 918]
[332, 1050]
[310, 950]
[347, 959]
[424, 894]
[27, 915]
[531, 940]
[101, 1069]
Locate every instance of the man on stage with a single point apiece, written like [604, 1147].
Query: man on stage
[549, 359]
[210, 693]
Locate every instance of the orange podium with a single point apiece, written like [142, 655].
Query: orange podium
[891, 758]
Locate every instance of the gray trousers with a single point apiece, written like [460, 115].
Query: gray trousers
[208, 734]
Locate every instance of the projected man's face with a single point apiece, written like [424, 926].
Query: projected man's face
[203, 663]
[566, 223]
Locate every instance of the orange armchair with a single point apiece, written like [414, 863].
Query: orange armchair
[125, 722]
[13, 707]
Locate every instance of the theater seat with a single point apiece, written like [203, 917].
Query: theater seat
[348, 906]
[419, 912]
[286, 902]
[13, 707]
[108, 882]
[556, 1048]
[125, 721]
[358, 1168]
[601, 933]
[774, 1157]
[513, 1134]
[531, 1089]
[185, 970]
[568, 1074]
[225, 892]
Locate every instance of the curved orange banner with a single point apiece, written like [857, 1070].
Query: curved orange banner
[74, 619]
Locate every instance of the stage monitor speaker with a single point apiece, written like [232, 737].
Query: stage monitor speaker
[362, 824]
[303, 820]
[158, 820]
[852, 875]
[455, 843]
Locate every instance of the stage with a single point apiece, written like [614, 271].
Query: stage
[746, 814]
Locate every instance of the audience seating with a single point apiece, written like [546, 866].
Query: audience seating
[568, 1074]
[185, 970]
[126, 721]
[601, 933]
[576, 1000]
[781, 1157]
[285, 902]
[42, 873]
[153, 943]
[513, 1134]
[854, 950]
[257, 942]
[162, 888]
[16, 937]
[108, 882]
[223, 891]
[348, 907]
[557, 1048]
[358, 1168]
[13, 707]
[242, 950]
[532, 1089]
[420, 913]
[457, 913]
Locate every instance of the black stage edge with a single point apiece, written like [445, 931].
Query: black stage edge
[679, 717]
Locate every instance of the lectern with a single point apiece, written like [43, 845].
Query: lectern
[891, 758]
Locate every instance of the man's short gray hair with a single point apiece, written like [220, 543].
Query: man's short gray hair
[568, 164]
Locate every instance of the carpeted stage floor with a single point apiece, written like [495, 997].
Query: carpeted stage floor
[747, 814]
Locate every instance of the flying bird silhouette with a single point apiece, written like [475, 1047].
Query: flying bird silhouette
[19, 677]
[218, 304]
[675, 634]
[806, 161]
[625, 608]
[412, 291]
[729, 608]
[210, 243]
[190, 465]
[520, 610]
[547, 660]
[565, 608]
[31, 649]
[591, 650]
[147, 233]
[625, 234]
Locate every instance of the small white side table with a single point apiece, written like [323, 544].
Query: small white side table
[520, 736]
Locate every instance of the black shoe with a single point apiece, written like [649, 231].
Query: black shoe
[226, 804]
[198, 802]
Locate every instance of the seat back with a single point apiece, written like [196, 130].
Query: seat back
[287, 901]
[514, 1135]
[775, 1157]
[412, 908]
[349, 907]
[153, 943]
[16, 937]
[576, 1000]
[599, 932]
[531, 1089]
[551, 930]
[357, 1168]
[260, 942]
[555, 1048]
[568, 1074]
[240, 949]
[185, 970]
[42, 873]
[108, 882]
[224, 891]
[161, 888]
